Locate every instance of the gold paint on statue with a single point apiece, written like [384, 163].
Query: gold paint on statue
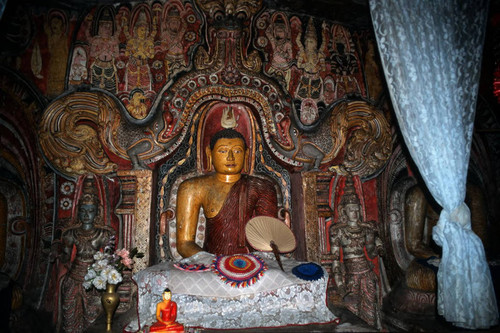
[227, 197]
[228, 158]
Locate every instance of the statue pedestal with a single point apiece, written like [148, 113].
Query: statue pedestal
[412, 301]
[204, 300]
[416, 295]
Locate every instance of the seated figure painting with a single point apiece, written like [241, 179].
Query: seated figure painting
[206, 282]
[229, 199]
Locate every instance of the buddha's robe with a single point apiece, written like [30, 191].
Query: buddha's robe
[249, 197]
[168, 314]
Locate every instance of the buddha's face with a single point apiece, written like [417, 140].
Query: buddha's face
[167, 296]
[87, 213]
[228, 156]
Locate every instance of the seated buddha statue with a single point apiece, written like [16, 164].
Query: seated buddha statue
[229, 200]
[201, 281]
[421, 214]
[166, 314]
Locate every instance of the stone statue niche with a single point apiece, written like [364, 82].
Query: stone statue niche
[244, 179]
[79, 308]
[215, 118]
[414, 214]
[355, 246]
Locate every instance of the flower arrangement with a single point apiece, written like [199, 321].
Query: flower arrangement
[108, 266]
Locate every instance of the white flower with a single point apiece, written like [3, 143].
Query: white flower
[114, 277]
[98, 256]
[99, 282]
[105, 271]
[100, 265]
[90, 274]
[87, 284]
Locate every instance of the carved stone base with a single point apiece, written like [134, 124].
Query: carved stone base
[412, 301]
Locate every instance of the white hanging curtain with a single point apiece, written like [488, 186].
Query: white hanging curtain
[431, 54]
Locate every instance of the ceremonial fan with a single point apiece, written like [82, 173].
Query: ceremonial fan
[265, 233]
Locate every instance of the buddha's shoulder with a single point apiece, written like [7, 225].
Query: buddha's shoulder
[197, 181]
[259, 181]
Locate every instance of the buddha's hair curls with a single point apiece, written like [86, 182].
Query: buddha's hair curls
[227, 133]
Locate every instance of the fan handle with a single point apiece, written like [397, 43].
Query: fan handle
[276, 252]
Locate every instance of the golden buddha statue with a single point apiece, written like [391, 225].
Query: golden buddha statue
[228, 198]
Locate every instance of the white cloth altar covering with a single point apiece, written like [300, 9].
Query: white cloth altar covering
[203, 300]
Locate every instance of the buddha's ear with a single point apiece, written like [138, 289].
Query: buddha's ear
[245, 163]
[208, 152]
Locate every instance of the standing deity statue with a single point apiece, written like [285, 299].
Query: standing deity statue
[80, 308]
[140, 49]
[356, 282]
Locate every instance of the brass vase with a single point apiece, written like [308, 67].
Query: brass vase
[110, 300]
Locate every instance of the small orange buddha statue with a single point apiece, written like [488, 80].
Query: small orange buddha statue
[166, 313]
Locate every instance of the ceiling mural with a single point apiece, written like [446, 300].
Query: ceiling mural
[126, 95]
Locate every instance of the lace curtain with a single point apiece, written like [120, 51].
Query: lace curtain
[431, 53]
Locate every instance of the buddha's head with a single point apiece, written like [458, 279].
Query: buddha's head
[227, 152]
[167, 295]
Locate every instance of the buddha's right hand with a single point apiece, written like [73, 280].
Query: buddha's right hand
[201, 257]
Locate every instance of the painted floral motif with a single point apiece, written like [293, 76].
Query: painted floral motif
[66, 203]
[67, 188]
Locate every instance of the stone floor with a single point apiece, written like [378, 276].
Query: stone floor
[348, 323]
